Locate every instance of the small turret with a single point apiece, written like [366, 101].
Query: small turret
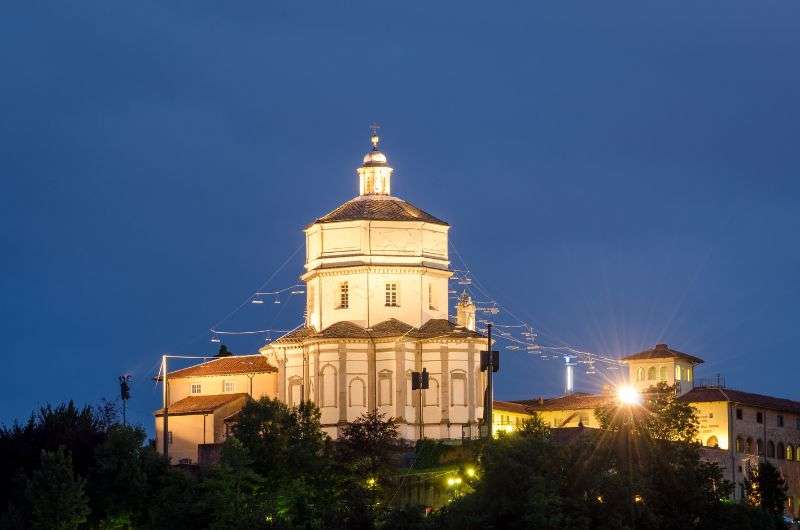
[465, 312]
[375, 175]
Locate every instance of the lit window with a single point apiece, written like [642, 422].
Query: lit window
[640, 374]
[677, 372]
[229, 386]
[689, 374]
[391, 295]
[344, 295]
[651, 373]
[663, 373]
[196, 389]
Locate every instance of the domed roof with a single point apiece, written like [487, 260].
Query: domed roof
[374, 158]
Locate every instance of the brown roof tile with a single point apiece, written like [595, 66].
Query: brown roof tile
[576, 401]
[235, 364]
[433, 328]
[661, 351]
[510, 406]
[378, 208]
[708, 394]
[201, 404]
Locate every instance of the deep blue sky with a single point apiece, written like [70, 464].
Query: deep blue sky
[616, 174]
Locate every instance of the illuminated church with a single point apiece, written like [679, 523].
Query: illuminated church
[376, 275]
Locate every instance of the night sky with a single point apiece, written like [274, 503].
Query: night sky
[615, 174]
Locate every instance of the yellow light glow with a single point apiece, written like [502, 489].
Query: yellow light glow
[637, 499]
[628, 395]
[371, 482]
[470, 472]
[453, 481]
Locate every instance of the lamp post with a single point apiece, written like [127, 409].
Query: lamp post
[629, 398]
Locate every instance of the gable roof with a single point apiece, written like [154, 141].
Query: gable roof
[510, 406]
[708, 394]
[201, 404]
[575, 401]
[234, 364]
[662, 351]
[433, 328]
[378, 208]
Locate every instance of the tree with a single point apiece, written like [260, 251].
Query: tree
[55, 495]
[78, 430]
[367, 443]
[223, 351]
[661, 416]
[765, 488]
[232, 490]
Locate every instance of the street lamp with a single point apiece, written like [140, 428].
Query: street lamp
[627, 395]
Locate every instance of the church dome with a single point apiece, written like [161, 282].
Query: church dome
[374, 158]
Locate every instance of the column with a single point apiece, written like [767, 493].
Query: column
[400, 380]
[371, 378]
[445, 386]
[471, 383]
[342, 382]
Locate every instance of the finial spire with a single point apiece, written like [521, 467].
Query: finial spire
[373, 137]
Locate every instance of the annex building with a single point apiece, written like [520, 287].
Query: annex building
[736, 428]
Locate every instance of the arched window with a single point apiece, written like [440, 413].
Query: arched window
[781, 451]
[358, 392]
[749, 446]
[677, 372]
[385, 388]
[327, 383]
[739, 444]
[760, 447]
[662, 375]
[713, 442]
[295, 394]
[640, 374]
[430, 396]
[651, 373]
[458, 388]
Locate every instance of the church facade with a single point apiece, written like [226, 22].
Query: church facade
[377, 301]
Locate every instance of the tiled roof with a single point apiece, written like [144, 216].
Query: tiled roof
[201, 404]
[433, 328]
[378, 208]
[576, 401]
[707, 394]
[661, 351]
[510, 406]
[234, 364]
